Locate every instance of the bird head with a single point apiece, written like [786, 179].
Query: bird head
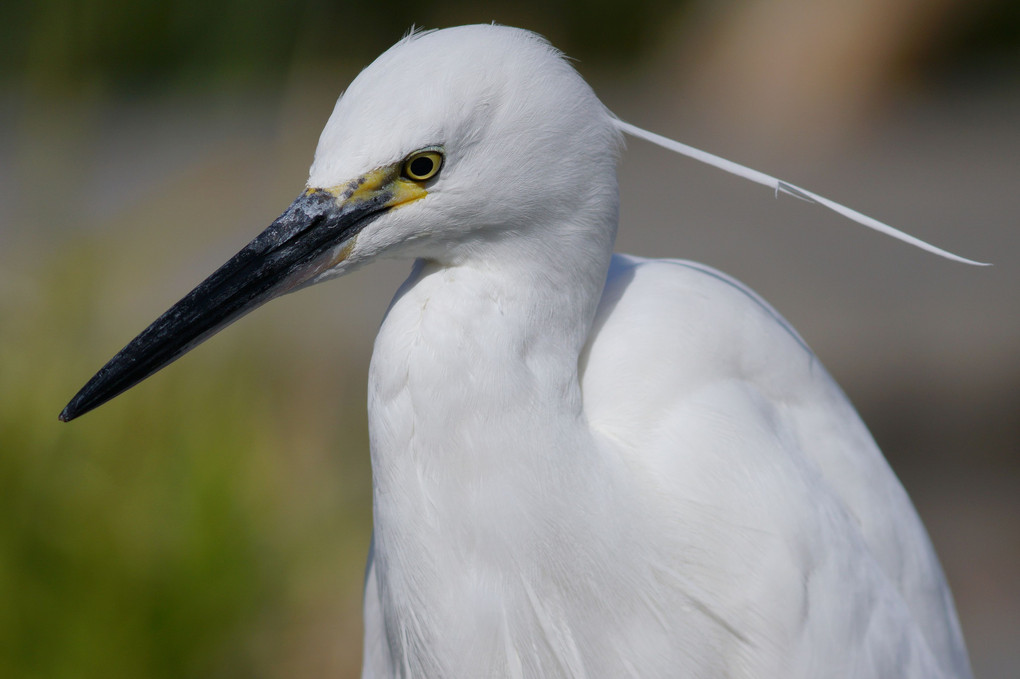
[451, 145]
[475, 134]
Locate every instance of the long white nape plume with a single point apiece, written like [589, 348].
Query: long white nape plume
[779, 186]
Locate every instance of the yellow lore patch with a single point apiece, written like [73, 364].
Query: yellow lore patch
[382, 180]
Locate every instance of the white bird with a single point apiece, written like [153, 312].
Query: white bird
[584, 464]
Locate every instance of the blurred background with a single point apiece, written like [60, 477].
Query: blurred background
[214, 521]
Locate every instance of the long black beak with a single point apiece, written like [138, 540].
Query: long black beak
[304, 241]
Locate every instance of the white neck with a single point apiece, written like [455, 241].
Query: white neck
[483, 343]
[474, 403]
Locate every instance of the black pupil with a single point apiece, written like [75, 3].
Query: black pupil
[422, 166]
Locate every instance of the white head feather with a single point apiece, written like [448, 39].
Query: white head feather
[525, 150]
[521, 147]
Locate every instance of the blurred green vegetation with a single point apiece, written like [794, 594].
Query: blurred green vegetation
[62, 46]
[129, 45]
[196, 529]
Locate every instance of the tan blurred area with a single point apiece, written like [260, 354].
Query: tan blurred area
[214, 520]
[801, 72]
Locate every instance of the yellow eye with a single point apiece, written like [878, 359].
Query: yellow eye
[423, 165]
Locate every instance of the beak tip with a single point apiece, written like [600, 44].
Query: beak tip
[77, 406]
[67, 414]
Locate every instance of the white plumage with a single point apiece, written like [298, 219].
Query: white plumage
[588, 465]
[651, 476]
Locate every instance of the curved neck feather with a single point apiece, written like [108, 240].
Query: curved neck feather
[475, 367]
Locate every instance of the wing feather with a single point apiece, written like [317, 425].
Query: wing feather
[744, 438]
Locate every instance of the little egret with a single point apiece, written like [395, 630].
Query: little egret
[584, 464]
